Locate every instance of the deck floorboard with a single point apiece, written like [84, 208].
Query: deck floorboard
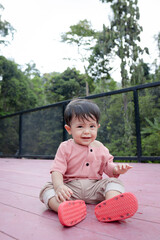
[24, 217]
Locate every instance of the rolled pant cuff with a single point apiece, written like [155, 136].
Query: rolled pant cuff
[115, 187]
[47, 196]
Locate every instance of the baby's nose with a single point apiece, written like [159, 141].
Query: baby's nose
[86, 130]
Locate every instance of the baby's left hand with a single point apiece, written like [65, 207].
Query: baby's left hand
[121, 168]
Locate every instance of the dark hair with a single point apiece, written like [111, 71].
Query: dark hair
[82, 109]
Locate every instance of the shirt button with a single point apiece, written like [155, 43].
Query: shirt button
[87, 164]
[91, 150]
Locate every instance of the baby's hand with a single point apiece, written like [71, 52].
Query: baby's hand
[63, 193]
[121, 168]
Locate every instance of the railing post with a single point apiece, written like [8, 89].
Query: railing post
[20, 135]
[64, 130]
[137, 122]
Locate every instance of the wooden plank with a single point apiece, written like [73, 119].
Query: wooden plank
[137, 227]
[24, 179]
[19, 188]
[128, 229]
[145, 213]
[27, 189]
[21, 180]
[32, 166]
[32, 203]
[23, 202]
[4, 236]
[32, 206]
[23, 226]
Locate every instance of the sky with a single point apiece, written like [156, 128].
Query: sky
[39, 25]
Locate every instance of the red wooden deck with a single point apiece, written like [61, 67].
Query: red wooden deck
[24, 217]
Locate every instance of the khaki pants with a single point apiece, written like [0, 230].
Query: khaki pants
[91, 191]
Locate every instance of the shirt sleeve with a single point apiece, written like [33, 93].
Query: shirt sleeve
[59, 163]
[110, 165]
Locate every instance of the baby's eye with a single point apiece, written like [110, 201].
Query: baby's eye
[79, 126]
[92, 126]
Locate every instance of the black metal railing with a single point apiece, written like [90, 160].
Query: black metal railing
[126, 116]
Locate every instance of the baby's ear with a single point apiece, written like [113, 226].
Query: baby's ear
[68, 129]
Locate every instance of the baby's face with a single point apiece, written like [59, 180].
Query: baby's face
[83, 131]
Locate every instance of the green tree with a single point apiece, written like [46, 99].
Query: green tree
[36, 83]
[140, 73]
[15, 92]
[126, 35]
[157, 39]
[123, 41]
[156, 63]
[31, 70]
[64, 86]
[113, 124]
[99, 62]
[83, 36]
[149, 107]
[6, 29]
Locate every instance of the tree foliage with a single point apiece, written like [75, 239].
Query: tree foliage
[140, 73]
[6, 29]
[83, 36]
[63, 86]
[125, 35]
[17, 91]
[150, 121]
[24, 89]
[99, 59]
[21, 90]
[156, 63]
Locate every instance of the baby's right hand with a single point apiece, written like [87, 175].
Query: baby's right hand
[63, 193]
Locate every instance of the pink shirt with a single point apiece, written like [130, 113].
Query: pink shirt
[75, 161]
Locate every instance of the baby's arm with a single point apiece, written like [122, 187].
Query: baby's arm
[63, 193]
[121, 168]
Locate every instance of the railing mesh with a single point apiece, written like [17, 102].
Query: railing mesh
[130, 126]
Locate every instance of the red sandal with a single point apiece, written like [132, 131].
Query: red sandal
[117, 208]
[72, 212]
